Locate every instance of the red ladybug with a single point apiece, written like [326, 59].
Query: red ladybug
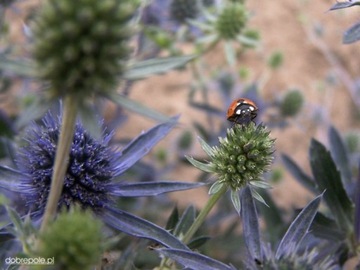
[242, 111]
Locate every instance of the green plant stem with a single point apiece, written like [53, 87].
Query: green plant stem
[203, 214]
[62, 157]
[199, 220]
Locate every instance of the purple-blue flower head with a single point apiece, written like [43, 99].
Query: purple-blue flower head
[92, 165]
[92, 175]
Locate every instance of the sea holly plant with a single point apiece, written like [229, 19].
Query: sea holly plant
[91, 179]
[291, 253]
[79, 54]
[67, 180]
[331, 174]
[93, 52]
[227, 25]
[240, 160]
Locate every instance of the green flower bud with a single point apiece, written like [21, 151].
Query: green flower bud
[352, 141]
[185, 141]
[239, 160]
[276, 60]
[73, 240]
[292, 103]
[80, 46]
[243, 155]
[181, 10]
[231, 21]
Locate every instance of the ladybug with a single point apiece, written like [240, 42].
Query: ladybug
[242, 111]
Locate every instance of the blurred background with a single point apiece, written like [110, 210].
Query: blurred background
[306, 35]
[300, 49]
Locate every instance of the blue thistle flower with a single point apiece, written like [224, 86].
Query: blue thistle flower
[92, 165]
[92, 176]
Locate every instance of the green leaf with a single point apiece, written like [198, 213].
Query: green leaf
[326, 228]
[248, 41]
[16, 220]
[299, 174]
[173, 219]
[21, 67]
[208, 39]
[6, 125]
[207, 148]
[258, 197]
[215, 188]
[340, 154]
[352, 34]
[235, 199]
[251, 224]
[230, 53]
[3, 202]
[260, 184]
[137, 107]
[202, 130]
[185, 222]
[328, 179]
[150, 67]
[347, 4]
[198, 242]
[200, 165]
[298, 229]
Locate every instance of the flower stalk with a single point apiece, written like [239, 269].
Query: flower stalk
[199, 220]
[203, 214]
[61, 158]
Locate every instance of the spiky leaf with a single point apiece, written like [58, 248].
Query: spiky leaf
[340, 154]
[235, 199]
[352, 34]
[299, 174]
[298, 229]
[251, 224]
[198, 242]
[328, 178]
[185, 222]
[201, 166]
[136, 107]
[346, 4]
[150, 67]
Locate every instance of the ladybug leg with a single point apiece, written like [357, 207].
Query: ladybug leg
[234, 122]
[253, 116]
